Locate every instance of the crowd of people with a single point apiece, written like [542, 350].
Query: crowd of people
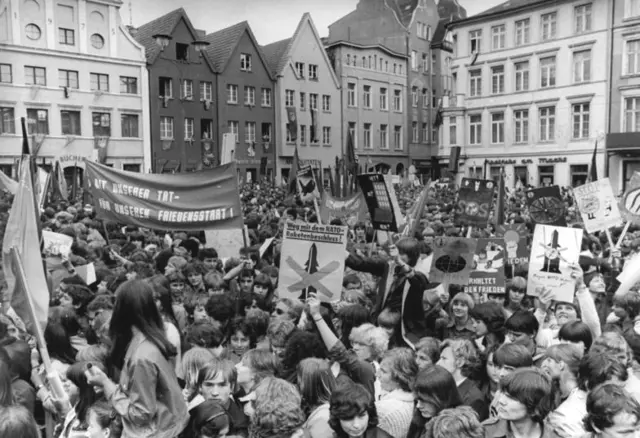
[173, 341]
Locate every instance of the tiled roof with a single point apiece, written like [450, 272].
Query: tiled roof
[223, 42]
[161, 25]
[441, 31]
[276, 54]
[451, 10]
[403, 9]
[509, 4]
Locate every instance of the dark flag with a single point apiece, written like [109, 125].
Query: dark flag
[500, 204]
[295, 166]
[593, 169]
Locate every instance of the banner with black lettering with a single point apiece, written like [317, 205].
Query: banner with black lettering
[487, 276]
[474, 201]
[181, 202]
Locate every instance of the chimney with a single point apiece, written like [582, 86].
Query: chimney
[132, 31]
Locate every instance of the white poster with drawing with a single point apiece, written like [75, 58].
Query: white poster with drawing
[598, 205]
[553, 251]
[56, 244]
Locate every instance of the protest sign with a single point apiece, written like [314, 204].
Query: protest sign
[452, 260]
[487, 276]
[514, 237]
[631, 200]
[87, 273]
[307, 183]
[179, 202]
[553, 251]
[474, 201]
[381, 200]
[56, 244]
[312, 261]
[353, 209]
[546, 206]
[598, 205]
[226, 242]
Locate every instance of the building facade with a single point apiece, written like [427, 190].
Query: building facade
[306, 86]
[374, 95]
[73, 71]
[623, 129]
[182, 91]
[529, 91]
[245, 99]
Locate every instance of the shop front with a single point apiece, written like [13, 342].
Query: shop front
[623, 158]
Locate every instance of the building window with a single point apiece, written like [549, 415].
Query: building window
[522, 32]
[250, 96]
[631, 8]
[313, 101]
[433, 63]
[582, 66]
[302, 135]
[289, 98]
[414, 60]
[250, 132]
[397, 100]
[326, 135]
[384, 137]
[352, 133]
[548, 72]
[129, 125]
[425, 63]
[232, 93]
[128, 85]
[547, 123]
[99, 82]
[37, 121]
[425, 133]
[497, 79]
[166, 87]
[300, 69]
[303, 104]
[182, 52]
[580, 113]
[6, 75]
[475, 41]
[233, 127]
[366, 96]
[166, 128]
[425, 98]
[206, 91]
[245, 62]
[476, 172]
[206, 129]
[521, 174]
[434, 135]
[475, 129]
[397, 137]
[97, 41]
[497, 128]
[579, 174]
[475, 83]
[632, 57]
[186, 89]
[266, 97]
[498, 34]
[68, 78]
[414, 96]
[521, 122]
[422, 30]
[7, 121]
[546, 175]
[632, 114]
[35, 75]
[414, 132]
[70, 122]
[313, 72]
[66, 37]
[522, 76]
[32, 32]
[384, 99]
[265, 130]
[549, 26]
[583, 18]
[351, 94]
[453, 130]
[326, 103]
[101, 124]
[367, 135]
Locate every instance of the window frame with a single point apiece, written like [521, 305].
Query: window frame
[313, 72]
[500, 124]
[249, 95]
[384, 136]
[584, 122]
[634, 112]
[475, 36]
[551, 69]
[520, 75]
[7, 119]
[35, 70]
[500, 76]
[246, 62]
[501, 35]
[165, 123]
[384, 99]
[548, 115]
[3, 73]
[128, 81]
[77, 125]
[38, 123]
[67, 80]
[584, 65]
[475, 83]
[366, 136]
[266, 97]
[99, 78]
[550, 21]
[63, 36]
[249, 134]
[126, 119]
[583, 18]
[521, 122]
[232, 94]
[352, 97]
[522, 32]
[475, 129]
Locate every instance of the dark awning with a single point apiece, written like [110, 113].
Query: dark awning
[623, 142]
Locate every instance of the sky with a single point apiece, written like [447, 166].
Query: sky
[270, 20]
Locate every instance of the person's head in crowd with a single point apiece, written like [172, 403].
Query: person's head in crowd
[103, 421]
[254, 366]
[577, 333]
[434, 390]
[220, 309]
[210, 259]
[164, 302]
[175, 263]
[239, 336]
[278, 333]
[516, 291]
[488, 319]
[408, 250]
[262, 286]
[351, 282]
[460, 357]
[526, 396]
[301, 345]
[17, 421]
[251, 256]
[6, 374]
[192, 247]
[352, 411]
[194, 272]
[389, 321]
[151, 250]
[510, 357]
[626, 306]
[59, 343]
[245, 280]
[249, 302]
[596, 284]
[272, 272]
[177, 286]
[257, 322]
[427, 352]
[275, 410]
[287, 308]
[397, 370]
[9, 328]
[81, 394]
[566, 312]
[291, 214]
[104, 280]
[136, 238]
[217, 381]
[460, 422]
[97, 305]
[214, 283]
[561, 362]
[612, 413]
[208, 420]
[369, 342]
[613, 344]
[461, 304]
[206, 334]
[135, 307]
[198, 307]
[316, 383]
[193, 360]
[522, 328]
[596, 369]
[349, 317]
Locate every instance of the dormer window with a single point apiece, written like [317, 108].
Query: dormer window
[182, 52]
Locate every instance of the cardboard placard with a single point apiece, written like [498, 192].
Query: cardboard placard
[514, 237]
[226, 242]
[474, 201]
[353, 209]
[56, 244]
[381, 201]
[307, 183]
[452, 260]
[598, 206]
[630, 204]
[487, 276]
[546, 206]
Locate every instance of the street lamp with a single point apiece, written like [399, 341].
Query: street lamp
[162, 40]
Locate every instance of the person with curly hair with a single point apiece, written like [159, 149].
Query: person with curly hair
[277, 410]
[352, 413]
[300, 345]
[460, 422]
[611, 412]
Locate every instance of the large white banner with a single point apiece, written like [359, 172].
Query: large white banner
[598, 205]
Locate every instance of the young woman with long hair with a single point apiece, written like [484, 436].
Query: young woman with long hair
[316, 383]
[148, 397]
